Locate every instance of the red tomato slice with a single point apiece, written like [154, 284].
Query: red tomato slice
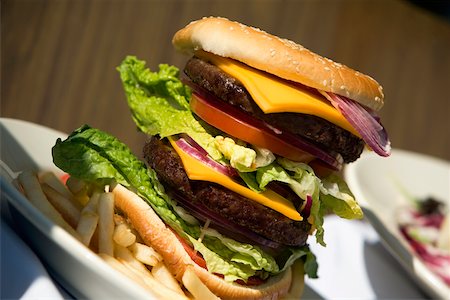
[195, 256]
[64, 178]
[244, 131]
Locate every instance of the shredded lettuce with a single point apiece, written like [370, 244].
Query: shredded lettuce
[237, 260]
[337, 197]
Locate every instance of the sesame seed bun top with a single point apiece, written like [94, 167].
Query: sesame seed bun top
[277, 56]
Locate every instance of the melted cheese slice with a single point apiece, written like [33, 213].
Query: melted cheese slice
[199, 171]
[274, 95]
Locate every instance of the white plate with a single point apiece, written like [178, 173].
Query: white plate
[377, 183]
[27, 146]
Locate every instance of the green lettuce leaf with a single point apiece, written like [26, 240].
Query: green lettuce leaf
[159, 103]
[337, 197]
[96, 156]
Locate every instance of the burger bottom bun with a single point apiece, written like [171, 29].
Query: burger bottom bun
[155, 233]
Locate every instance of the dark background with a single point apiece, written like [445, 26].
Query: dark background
[58, 58]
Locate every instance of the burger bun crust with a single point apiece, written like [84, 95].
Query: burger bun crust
[277, 56]
[156, 234]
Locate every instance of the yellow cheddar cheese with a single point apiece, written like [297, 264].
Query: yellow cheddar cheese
[199, 171]
[274, 95]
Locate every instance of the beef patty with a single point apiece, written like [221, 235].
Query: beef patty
[316, 130]
[242, 211]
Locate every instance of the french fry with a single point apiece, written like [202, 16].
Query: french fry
[106, 223]
[163, 275]
[113, 262]
[33, 190]
[87, 226]
[65, 206]
[117, 246]
[154, 284]
[145, 254]
[123, 254]
[53, 181]
[119, 219]
[122, 235]
[88, 220]
[196, 287]
[79, 189]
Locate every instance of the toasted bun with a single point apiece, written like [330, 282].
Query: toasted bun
[155, 233]
[279, 57]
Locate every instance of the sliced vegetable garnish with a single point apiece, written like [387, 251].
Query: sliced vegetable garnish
[240, 125]
[202, 156]
[364, 121]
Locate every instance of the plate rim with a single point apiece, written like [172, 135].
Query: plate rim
[56, 234]
[393, 241]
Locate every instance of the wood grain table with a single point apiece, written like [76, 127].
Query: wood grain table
[59, 58]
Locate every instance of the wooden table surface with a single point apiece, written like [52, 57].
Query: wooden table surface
[59, 58]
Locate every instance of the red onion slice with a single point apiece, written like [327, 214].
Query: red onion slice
[194, 144]
[365, 122]
[205, 159]
[306, 211]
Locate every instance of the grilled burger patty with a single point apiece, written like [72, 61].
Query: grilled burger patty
[228, 204]
[316, 130]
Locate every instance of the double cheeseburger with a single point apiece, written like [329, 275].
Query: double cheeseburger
[246, 147]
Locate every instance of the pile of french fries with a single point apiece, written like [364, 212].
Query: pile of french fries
[89, 215]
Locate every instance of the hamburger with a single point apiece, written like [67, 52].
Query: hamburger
[242, 157]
